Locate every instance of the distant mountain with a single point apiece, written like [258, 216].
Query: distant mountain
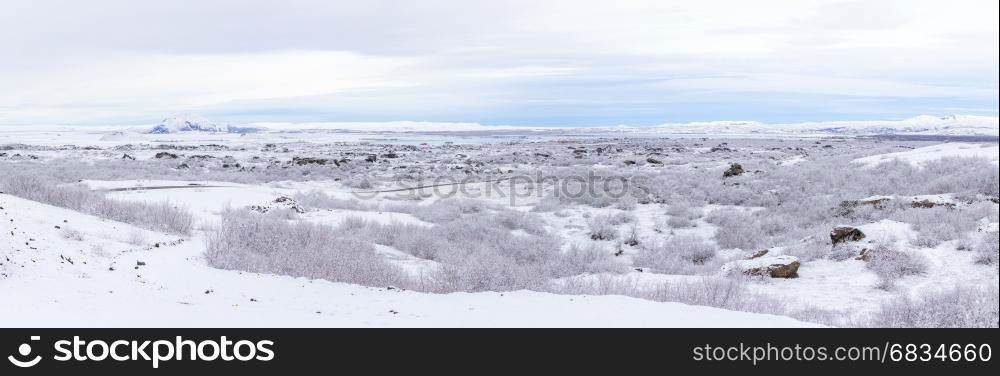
[195, 123]
[954, 125]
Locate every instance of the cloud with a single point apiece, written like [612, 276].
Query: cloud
[554, 62]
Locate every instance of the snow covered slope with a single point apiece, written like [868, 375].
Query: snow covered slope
[65, 269]
[919, 156]
[954, 125]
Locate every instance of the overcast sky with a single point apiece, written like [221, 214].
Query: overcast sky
[538, 62]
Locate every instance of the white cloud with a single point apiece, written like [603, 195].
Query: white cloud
[117, 60]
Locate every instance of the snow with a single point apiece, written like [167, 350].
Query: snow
[190, 128]
[173, 287]
[760, 262]
[920, 156]
[188, 123]
[954, 125]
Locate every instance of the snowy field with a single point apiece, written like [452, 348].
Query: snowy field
[715, 225]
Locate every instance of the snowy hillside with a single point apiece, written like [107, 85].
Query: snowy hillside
[954, 125]
[188, 123]
[921, 156]
[110, 274]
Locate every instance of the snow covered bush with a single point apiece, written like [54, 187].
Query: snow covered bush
[680, 222]
[548, 204]
[320, 200]
[252, 242]
[737, 229]
[159, 216]
[476, 252]
[679, 255]
[959, 307]
[891, 264]
[722, 292]
[588, 259]
[602, 227]
[988, 249]
[729, 293]
[939, 224]
[71, 234]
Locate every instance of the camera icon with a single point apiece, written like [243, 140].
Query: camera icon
[24, 351]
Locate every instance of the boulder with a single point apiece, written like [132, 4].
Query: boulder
[928, 204]
[735, 169]
[653, 161]
[843, 234]
[165, 155]
[302, 161]
[282, 202]
[878, 202]
[767, 266]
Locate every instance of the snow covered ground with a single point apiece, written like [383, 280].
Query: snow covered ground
[105, 279]
[692, 223]
[920, 156]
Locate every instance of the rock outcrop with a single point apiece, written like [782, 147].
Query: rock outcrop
[844, 234]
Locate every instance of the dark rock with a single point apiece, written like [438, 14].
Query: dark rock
[845, 234]
[307, 161]
[735, 169]
[928, 204]
[847, 207]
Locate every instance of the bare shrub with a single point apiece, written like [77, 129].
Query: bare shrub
[251, 242]
[959, 307]
[321, 200]
[631, 237]
[727, 293]
[626, 203]
[736, 229]
[602, 227]
[548, 204]
[476, 253]
[679, 255]
[721, 292]
[71, 234]
[988, 249]
[682, 209]
[843, 252]
[939, 224]
[588, 259]
[680, 222]
[891, 264]
[158, 216]
[447, 210]
[136, 238]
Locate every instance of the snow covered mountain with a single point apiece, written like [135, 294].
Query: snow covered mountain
[189, 123]
[953, 125]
